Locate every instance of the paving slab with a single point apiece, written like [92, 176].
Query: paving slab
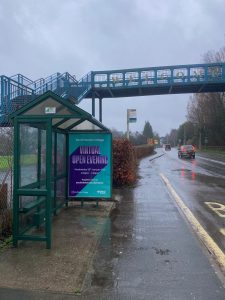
[76, 233]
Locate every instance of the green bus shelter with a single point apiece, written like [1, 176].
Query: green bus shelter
[42, 130]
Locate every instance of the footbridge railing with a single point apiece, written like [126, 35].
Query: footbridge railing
[18, 89]
[198, 75]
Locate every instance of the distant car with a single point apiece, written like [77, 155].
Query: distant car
[186, 151]
[167, 147]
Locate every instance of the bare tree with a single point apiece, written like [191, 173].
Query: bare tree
[214, 56]
[207, 111]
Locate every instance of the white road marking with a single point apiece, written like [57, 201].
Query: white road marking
[201, 232]
[212, 160]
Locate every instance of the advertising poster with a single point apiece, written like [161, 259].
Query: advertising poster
[90, 165]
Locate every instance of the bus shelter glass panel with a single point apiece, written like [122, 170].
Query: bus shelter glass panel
[32, 216]
[60, 178]
[28, 154]
[43, 159]
[53, 154]
[32, 158]
[61, 154]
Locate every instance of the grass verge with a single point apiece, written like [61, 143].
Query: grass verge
[5, 244]
[6, 161]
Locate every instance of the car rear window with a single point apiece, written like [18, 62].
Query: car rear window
[189, 147]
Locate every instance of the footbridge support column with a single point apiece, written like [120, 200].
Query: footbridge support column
[100, 110]
[93, 104]
[100, 107]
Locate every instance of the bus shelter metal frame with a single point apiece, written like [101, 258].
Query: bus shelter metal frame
[45, 205]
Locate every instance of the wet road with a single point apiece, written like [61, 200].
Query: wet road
[200, 183]
[148, 251]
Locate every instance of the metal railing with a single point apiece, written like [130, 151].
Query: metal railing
[66, 85]
[165, 75]
[84, 85]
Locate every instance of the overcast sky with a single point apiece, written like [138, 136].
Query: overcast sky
[39, 38]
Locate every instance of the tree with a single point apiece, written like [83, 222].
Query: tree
[6, 138]
[207, 111]
[171, 138]
[117, 134]
[214, 56]
[138, 138]
[186, 133]
[148, 132]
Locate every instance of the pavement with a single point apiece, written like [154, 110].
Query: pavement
[33, 268]
[138, 246]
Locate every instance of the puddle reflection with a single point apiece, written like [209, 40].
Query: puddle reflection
[186, 173]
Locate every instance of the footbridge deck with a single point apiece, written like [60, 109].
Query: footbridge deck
[201, 78]
[17, 90]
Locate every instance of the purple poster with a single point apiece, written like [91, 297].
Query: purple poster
[90, 165]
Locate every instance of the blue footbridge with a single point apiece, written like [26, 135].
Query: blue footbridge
[17, 90]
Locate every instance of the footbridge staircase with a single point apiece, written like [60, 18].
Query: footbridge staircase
[17, 90]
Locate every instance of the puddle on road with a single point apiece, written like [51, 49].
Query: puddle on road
[209, 180]
[186, 173]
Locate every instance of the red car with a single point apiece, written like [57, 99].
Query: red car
[186, 151]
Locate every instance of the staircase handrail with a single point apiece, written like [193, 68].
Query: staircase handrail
[10, 89]
[38, 82]
[20, 85]
[85, 82]
[85, 78]
[19, 76]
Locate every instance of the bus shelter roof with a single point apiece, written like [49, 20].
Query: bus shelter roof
[64, 115]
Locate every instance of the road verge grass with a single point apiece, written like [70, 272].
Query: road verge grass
[6, 161]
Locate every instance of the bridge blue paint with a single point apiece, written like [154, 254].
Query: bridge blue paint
[17, 90]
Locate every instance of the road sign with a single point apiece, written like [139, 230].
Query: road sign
[132, 115]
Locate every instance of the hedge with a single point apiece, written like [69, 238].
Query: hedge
[143, 151]
[125, 157]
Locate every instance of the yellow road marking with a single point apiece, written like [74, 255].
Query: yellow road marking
[222, 230]
[218, 208]
[201, 232]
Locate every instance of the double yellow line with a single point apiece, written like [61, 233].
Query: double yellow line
[213, 248]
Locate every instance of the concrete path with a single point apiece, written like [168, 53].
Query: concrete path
[76, 233]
